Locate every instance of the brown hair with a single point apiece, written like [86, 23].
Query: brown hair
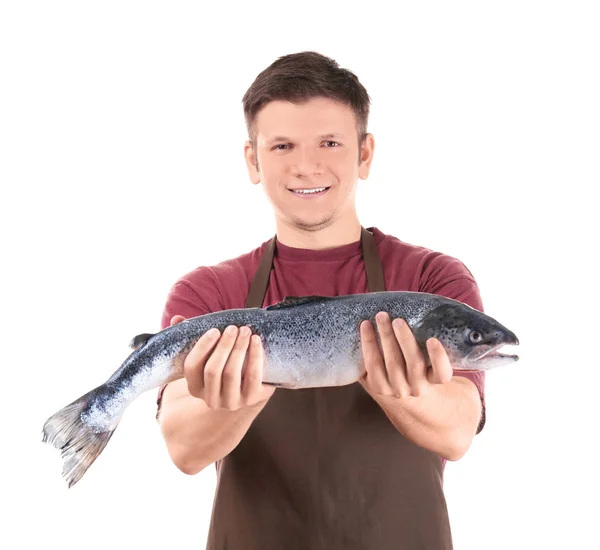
[301, 76]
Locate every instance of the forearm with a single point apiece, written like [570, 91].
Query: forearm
[444, 420]
[196, 435]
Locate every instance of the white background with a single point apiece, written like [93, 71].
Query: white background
[121, 168]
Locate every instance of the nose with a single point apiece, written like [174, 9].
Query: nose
[306, 162]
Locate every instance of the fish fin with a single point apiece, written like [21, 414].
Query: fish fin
[140, 340]
[290, 301]
[78, 444]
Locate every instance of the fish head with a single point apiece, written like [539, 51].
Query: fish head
[472, 339]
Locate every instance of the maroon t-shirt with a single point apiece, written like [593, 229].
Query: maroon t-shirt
[302, 272]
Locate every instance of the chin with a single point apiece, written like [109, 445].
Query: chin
[315, 224]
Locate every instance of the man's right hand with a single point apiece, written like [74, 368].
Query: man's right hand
[213, 368]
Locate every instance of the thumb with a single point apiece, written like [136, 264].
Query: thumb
[177, 319]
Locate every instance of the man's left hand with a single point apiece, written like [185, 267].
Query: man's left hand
[402, 370]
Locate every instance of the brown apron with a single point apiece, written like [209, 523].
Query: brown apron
[343, 478]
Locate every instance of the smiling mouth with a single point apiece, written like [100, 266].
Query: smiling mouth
[310, 192]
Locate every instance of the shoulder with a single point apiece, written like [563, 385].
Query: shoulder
[420, 269]
[210, 288]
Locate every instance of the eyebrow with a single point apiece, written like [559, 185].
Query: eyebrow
[323, 136]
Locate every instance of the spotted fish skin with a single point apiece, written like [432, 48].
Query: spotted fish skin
[308, 342]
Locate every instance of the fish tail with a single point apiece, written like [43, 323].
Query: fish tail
[79, 443]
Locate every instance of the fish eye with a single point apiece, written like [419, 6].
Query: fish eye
[475, 337]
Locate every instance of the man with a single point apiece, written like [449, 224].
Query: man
[358, 466]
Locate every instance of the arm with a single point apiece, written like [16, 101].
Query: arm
[196, 435]
[204, 416]
[432, 409]
[442, 410]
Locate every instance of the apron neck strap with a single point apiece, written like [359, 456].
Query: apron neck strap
[373, 267]
[258, 289]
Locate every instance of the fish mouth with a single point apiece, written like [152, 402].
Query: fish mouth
[492, 354]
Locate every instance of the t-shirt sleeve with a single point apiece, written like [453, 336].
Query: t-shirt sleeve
[449, 277]
[190, 300]
[183, 300]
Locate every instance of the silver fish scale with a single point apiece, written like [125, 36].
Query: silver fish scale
[310, 344]
[318, 344]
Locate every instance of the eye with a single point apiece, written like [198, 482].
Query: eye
[276, 148]
[475, 337]
[332, 142]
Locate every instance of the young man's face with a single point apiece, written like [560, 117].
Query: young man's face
[307, 158]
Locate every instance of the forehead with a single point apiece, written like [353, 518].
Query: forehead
[317, 116]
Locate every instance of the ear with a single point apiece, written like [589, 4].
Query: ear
[366, 156]
[251, 162]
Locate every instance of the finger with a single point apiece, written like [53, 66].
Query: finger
[253, 375]
[416, 366]
[441, 371]
[194, 363]
[376, 375]
[177, 319]
[232, 371]
[394, 362]
[213, 369]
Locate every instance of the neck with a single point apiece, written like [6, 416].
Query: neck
[339, 233]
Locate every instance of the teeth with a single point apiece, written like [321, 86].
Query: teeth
[309, 191]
